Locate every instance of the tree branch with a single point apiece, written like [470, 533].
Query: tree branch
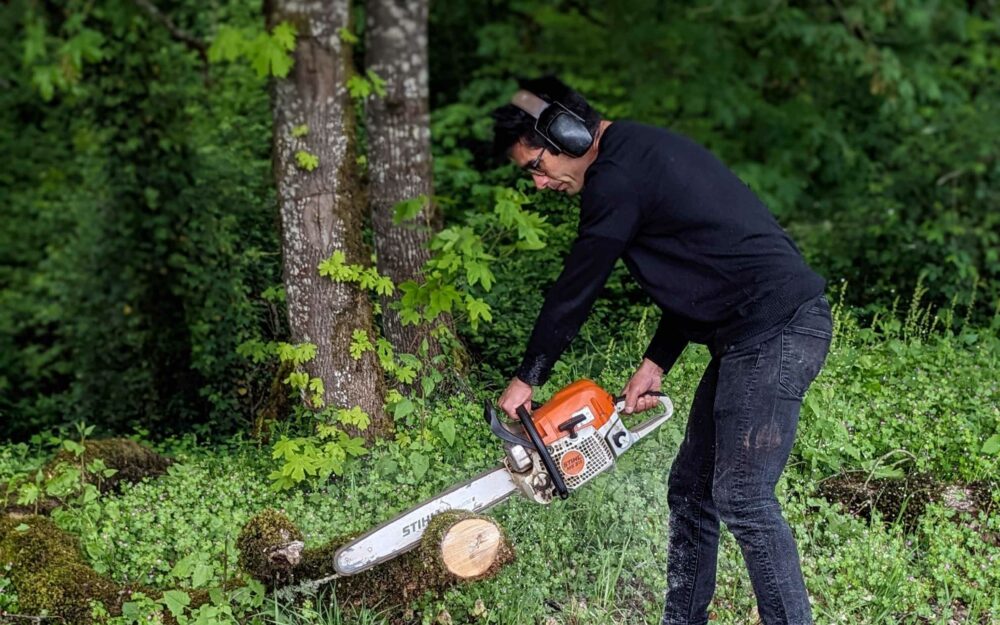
[177, 33]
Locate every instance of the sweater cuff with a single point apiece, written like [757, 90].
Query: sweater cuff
[535, 369]
[664, 354]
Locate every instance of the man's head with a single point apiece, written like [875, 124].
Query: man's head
[515, 137]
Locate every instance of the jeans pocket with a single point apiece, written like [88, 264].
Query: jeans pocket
[803, 351]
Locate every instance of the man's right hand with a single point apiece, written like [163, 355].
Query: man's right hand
[518, 394]
[647, 378]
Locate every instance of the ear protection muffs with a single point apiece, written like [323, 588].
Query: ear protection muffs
[561, 127]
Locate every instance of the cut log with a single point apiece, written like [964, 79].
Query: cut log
[463, 544]
[457, 547]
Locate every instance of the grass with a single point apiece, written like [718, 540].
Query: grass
[885, 404]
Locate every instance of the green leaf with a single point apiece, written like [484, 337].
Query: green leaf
[377, 83]
[286, 448]
[28, 494]
[297, 468]
[447, 429]
[347, 36]
[300, 131]
[354, 416]
[419, 463]
[386, 467]
[478, 310]
[184, 566]
[354, 446]
[331, 460]
[405, 374]
[360, 343]
[306, 161]
[409, 317]
[176, 601]
[23, 527]
[409, 209]
[992, 445]
[228, 45]
[359, 87]
[403, 408]
[202, 574]
[73, 447]
[284, 36]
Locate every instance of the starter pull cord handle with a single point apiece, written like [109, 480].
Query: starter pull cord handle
[536, 440]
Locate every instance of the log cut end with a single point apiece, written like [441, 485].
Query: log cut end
[469, 548]
[465, 545]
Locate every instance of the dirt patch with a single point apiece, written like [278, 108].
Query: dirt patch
[905, 499]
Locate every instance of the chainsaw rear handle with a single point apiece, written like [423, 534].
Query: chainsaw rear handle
[536, 441]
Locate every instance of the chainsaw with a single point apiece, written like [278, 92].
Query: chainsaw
[574, 437]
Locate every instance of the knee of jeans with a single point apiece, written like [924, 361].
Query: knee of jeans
[682, 486]
[736, 502]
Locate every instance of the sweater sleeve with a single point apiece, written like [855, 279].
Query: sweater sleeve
[667, 344]
[609, 219]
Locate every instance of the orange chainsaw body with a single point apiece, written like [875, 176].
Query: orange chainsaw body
[569, 401]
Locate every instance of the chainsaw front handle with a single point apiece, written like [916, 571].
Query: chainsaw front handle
[536, 441]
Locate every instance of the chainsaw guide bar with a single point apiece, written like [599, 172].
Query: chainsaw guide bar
[572, 438]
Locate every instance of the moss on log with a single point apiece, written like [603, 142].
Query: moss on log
[131, 461]
[49, 574]
[51, 577]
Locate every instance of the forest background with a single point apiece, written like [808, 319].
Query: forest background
[142, 289]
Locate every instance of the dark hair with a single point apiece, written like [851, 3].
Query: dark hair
[511, 124]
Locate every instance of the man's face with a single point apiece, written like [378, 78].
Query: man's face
[559, 173]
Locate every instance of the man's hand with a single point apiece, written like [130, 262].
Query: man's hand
[518, 393]
[646, 378]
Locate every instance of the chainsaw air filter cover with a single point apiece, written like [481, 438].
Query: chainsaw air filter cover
[573, 425]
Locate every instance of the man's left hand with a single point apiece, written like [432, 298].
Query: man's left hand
[647, 378]
[518, 393]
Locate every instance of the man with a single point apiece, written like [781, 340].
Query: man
[724, 274]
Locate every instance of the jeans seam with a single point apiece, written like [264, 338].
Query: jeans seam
[771, 577]
[821, 334]
[705, 477]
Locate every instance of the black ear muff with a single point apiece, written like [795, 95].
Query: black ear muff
[561, 127]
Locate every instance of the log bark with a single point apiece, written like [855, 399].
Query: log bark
[399, 159]
[322, 211]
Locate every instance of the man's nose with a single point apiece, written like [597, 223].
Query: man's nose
[540, 180]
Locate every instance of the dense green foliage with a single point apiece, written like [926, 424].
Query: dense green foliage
[139, 213]
[140, 292]
[139, 227]
[867, 127]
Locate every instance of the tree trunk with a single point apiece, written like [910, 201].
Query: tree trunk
[399, 159]
[322, 211]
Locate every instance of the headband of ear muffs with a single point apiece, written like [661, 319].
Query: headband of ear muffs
[561, 127]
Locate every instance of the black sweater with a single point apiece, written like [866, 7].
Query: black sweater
[694, 236]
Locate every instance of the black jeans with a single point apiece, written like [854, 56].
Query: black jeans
[739, 434]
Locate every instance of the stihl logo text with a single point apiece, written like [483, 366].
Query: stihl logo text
[422, 522]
